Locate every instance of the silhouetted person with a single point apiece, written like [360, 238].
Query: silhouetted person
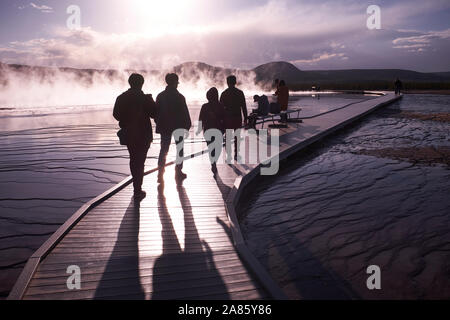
[283, 96]
[235, 106]
[212, 116]
[398, 86]
[133, 110]
[276, 83]
[262, 110]
[263, 105]
[173, 114]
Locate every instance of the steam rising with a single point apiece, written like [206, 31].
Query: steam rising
[27, 87]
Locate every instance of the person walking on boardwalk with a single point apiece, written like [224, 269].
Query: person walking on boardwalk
[398, 86]
[173, 114]
[133, 110]
[212, 116]
[282, 94]
[235, 106]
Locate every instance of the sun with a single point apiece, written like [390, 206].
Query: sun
[156, 18]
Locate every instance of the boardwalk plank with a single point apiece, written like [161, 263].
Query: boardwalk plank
[121, 271]
[220, 257]
[170, 292]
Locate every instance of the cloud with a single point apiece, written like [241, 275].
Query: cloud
[87, 48]
[328, 34]
[421, 42]
[41, 8]
[273, 30]
[320, 57]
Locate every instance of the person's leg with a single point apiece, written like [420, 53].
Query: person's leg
[252, 118]
[212, 150]
[236, 148]
[142, 152]
[133, 161]
[165, 145]
[212, 154]
[237, 145]
[179, 174]
[138, 155]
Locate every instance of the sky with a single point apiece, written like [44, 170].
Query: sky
[149, 34]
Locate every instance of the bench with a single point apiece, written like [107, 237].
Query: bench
[272, 117]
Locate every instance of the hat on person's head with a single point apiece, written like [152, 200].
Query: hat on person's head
[136, 81]
[172, 79]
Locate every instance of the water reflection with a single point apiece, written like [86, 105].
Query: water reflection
[331, 214]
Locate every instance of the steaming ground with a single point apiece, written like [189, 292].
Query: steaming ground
[376, 194]
[25, 87]
[55, 159]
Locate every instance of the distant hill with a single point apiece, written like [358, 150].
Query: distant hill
[443, 74]
[376, 75]
[371, 79]
[279, 70]
[264, 75]
[290, 73]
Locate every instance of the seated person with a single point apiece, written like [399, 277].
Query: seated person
[263, 105]
[262, 110]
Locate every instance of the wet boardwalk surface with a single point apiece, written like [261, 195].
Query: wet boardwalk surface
[178, 243]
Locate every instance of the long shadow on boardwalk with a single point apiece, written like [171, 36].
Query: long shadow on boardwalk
[188, 273]
[107, 288]
[224, 189]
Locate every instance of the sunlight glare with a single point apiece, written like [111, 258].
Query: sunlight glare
[161, 17]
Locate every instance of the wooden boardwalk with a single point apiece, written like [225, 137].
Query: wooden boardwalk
[181, 242]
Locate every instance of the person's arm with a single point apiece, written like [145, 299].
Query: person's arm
[244, 108]
[151, 106]
[259, 109]
[159, 111]
[187, 115]
[117, 113]
[201, 118]
[221, 117]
